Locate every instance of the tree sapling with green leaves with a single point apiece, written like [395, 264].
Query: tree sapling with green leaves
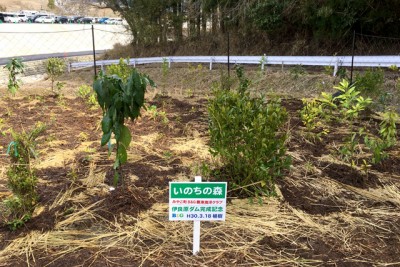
[55, 67]
[119, 100]
[21, 177]
[14, 67]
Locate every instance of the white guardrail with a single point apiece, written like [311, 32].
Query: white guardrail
[334, 61]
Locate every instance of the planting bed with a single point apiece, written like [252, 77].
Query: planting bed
[327, 213]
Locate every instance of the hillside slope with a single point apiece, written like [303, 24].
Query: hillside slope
[66, 7]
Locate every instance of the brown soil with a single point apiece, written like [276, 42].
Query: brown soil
[328, 214]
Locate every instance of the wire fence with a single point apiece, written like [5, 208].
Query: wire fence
[27, 40]
[370, 45]
[37, 42]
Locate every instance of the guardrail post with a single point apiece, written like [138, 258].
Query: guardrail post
[335, 69]
[69, 67]
[102, 67]
[211, 61]
[262, 62]
[134, 62]
[169, 62]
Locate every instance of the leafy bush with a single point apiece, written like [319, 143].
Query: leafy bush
[370, 82]
[246, 133]
[165, 67]
[347, 106]
[317, 109]
[122, 69]
[351, 103]
[388, 137]
[21, 177]
[14, 67]
[86, 93]
[297, 71]
[119, 100]
[388, 131]
[157, 114]
[55, 67]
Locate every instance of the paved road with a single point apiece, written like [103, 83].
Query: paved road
[4, 61]
[30, 40]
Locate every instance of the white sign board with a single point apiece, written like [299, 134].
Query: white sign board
[191, 201]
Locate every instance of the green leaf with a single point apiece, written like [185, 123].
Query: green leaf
[98, 88]
[105, 138]
[122, 155]
[117, 130]
[106, 123]
[125, 138]
[134, 110]
[130, 86]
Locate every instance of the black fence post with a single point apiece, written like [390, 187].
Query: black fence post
[352, 57]
[94, 54]
[229, 65]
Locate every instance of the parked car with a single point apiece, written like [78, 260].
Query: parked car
[30, 18]
[37, 16]
[12, 19]
[23, 17]
[114, 21]
[2, 17]
[76, 18]
[62, 19]
[102, 20]
[45, 19]
[118, 21]
[85, 20]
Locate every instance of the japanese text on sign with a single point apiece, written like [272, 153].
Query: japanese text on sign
[197, 201]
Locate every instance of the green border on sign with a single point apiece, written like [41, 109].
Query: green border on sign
[192, 190]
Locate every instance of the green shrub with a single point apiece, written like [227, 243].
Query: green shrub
[351, 103]
[393, 68]
[341, 73]
[14, 67]
[297, 71]
[165, 67]
[84, 91]
[21, 176]
[55, 67]
[388, 129]
[87, 94]
[246, 134]
[347, 107]
[388, 137]
[122, 69]
[371, 82]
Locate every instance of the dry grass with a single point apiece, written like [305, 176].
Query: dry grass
[246, 238]
[272, 234]
[153, 240]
